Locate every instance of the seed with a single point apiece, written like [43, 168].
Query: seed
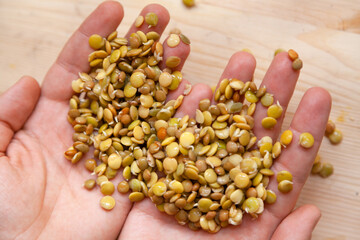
[114, 161]
[170, 165]
[210, 175]
[267, 99]
[189, 3]
[136, 196]
[105, 145]
[165, 79]
[199, 116]
[330, 127]
[297, 64]
[283, 175]
[285, 186]
[107, 202]
[204, 204]
[251, 205]
[275, 111]
[89, 184]
[266, 172]
[336, 136]
[173, 40]
[90, 164]
[251, 97]
[279, 50]
[107, 188]
[286, 137]
[306, 140]
[204, 104]
[276, 150]
[327, 170]
[242, 180]
[292, 54]
[237, 196]
[176, 186]
[139, 21]
[172, 150]
[96, 41]
[317, 167]
[161, 133]
[138, 133]
[151, 19]
[176, 80]
[268, 122]
[270, 197]
[129, 90]
[137, 79]
[159, 189]
[172, 61]
[187, 139]
[184, 39]
[123, 187]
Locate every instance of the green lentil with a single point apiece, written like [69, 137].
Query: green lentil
[151, 19]
[336, 136]
[285, 186]
[326, 170]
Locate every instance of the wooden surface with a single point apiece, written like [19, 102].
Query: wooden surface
[326, 33]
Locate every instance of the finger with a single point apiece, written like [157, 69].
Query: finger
[178, 53]
[178, 91]
[17, 104]
[311, 116]
[280, 81]
[163, 20]
[74, 56]
[299, 224]
[191, 102]
[241, 66]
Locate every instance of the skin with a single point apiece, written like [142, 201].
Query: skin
[41, 193]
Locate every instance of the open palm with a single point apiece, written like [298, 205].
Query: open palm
[41, 194]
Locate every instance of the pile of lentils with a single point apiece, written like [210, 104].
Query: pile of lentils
[206, 171]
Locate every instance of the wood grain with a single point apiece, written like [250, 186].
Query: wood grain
[326, 33]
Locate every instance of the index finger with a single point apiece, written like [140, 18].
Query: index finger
[74, 56]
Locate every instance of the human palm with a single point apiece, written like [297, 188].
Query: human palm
[41, 194]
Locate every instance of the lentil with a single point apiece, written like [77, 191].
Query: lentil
[173, 40]
[189, 3]
[89, 184]
[336, 136]
[306, 140]
[326, 170]
[286, 137]
[211, 168]
[151, 19]
[107, 202]
[285, 186]
[139, 21]
[268, 122]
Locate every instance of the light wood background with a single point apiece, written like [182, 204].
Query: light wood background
[326, 33]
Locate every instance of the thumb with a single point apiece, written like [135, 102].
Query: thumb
[299, 224]
[16, 105]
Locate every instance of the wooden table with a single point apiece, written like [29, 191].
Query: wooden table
[324, 32]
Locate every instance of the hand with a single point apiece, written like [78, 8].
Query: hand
[41, 194]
